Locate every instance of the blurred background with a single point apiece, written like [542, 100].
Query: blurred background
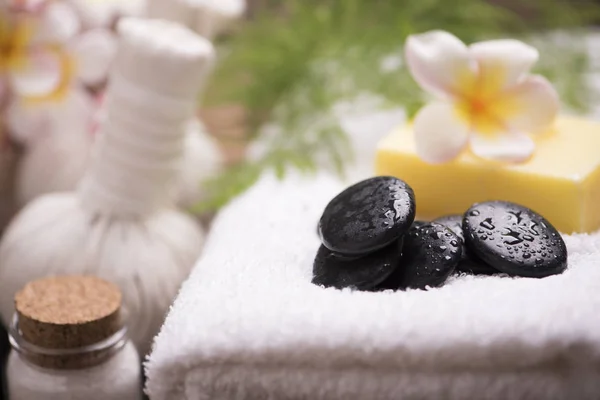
[286, 71]
[293, 63]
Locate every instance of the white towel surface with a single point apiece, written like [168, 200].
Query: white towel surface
[249, 324]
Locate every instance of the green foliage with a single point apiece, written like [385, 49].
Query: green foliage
[293, 62]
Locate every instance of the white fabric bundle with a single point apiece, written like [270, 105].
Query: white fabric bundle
[122, 225]
[248, 324]
[208, 18]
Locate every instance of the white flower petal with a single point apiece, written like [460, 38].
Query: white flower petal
[439, 62]
[27, 121]
[40, 76]
[76, 113]
[503, 63]
[59, 24]
[99, 115]
[94, 52]
[440, 134]
[505, 147]
[534, 104]
[103, 13]
[26, 5]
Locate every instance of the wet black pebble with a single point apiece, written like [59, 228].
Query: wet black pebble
[418, 223]
[431, 253]
[368, 216]
[514, 239]
[360, 273]
[469, 263]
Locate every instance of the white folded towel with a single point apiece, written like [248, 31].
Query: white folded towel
[249, 324]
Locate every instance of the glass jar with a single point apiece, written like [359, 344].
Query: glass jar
[46, 365]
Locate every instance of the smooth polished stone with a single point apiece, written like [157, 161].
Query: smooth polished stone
[360, 273]
[368, 216]
[469, 263]
[431, 253]
[514, 239]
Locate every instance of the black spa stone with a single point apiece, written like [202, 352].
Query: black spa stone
[514, 239]
[368, 216]
[360, 273]
[418, 223]
[431, 253]
[469, 263]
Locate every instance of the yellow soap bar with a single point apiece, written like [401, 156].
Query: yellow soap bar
[561, 181]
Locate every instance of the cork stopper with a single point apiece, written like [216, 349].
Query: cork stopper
[68, 313]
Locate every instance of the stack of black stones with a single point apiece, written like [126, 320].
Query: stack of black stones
[371, 241]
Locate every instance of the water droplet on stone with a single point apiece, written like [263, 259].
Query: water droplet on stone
[533, 228]
[435, 235]
[539, 261]
[474, 213]
[487, 224]
[526, 255]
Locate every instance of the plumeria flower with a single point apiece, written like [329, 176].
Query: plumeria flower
[104, 13]
[486, 99]
[48, 63]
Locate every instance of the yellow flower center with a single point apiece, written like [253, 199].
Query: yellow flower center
[14, 40]
[483, 102]
[17, 49]
[481, 114]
